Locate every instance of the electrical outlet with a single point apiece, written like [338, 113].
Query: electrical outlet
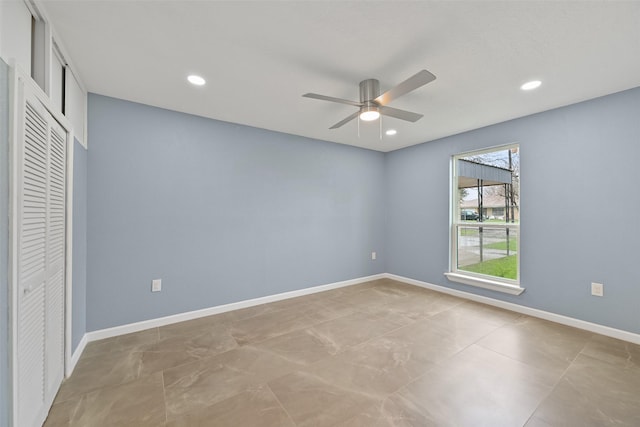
[597, 289]
[156, 285]
[373, 255]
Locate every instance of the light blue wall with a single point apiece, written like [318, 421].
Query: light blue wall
[79, 271]
[220, 212]
[224, 212]
[580, 204]
[4, 244]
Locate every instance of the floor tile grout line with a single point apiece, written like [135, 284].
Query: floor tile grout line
[363, 343]
[104, 386]
[281, 405]
[275, 310]
[520, 361]
[311, 325]
[164, 399]
[196, 411]
[434, 365]
[290, 331]
[556, 382]
[552, 388]
[439, 362]
[138, 374]
[354, 306]
[375, 399]
[348, 348]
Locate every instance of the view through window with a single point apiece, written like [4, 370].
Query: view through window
[486, 223]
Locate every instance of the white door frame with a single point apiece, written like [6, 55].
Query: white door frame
[18, 77]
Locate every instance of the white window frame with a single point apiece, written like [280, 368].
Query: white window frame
[454, 274]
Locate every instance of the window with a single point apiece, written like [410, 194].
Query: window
[58, 70]
[38, 57]
[485, 223]
[497, 213]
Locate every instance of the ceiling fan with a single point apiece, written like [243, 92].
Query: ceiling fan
[372, 104]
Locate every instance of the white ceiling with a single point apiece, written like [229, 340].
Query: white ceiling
[260, 57]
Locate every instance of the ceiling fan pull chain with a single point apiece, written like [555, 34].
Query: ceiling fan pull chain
[380, 127]
[358, 127]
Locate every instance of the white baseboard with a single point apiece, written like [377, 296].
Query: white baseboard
[76, 355]
[534, 312]
[181, 317]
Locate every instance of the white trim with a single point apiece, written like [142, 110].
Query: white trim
[534, 312]
[493, 285]
[499, 147]
[14, 97]
[73, 361]
[68, 290]
[181, 317]
[44, 15]
[38, 9]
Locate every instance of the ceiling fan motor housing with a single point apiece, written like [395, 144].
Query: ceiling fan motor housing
[369, 90]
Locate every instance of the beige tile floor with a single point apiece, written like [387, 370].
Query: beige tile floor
[376, 354]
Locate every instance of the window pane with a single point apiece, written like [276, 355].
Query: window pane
[488, 186]
[489, 251]
[57, 81]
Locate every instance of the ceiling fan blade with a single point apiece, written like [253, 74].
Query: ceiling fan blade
[414, 82]
[332, 99]
[400, 114]
[345, 121]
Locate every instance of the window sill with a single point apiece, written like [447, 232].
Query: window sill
[493, 285]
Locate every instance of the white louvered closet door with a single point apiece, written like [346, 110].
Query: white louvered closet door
[41, 178]
[54, 295]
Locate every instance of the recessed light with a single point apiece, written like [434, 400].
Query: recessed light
[391, 132]
[196, 80]
[533, 84]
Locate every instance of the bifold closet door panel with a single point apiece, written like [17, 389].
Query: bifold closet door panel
[41, 236]
[54, 304]
[32, 177]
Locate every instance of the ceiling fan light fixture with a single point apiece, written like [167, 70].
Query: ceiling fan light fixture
[369, 114]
